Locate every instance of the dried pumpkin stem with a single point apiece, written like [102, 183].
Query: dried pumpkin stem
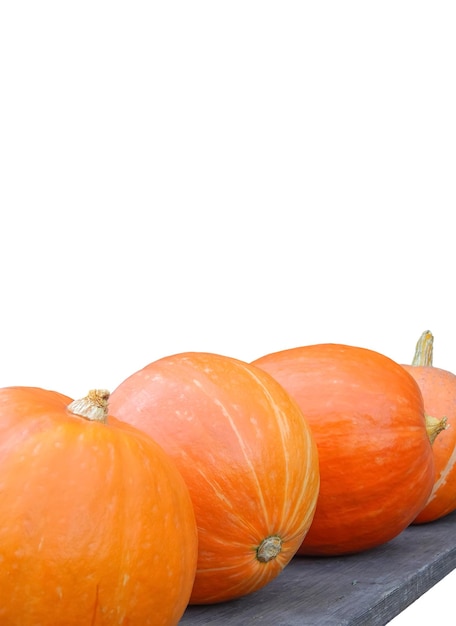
[269, 548]
[423, 358]
[93, 407]
[434, 426]
[424, 350]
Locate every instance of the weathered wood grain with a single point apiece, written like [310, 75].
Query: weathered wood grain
[367, 589]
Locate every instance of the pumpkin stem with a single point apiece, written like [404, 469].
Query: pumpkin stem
[424, 350]
[269, 548]
[93, 407]
[435, 426]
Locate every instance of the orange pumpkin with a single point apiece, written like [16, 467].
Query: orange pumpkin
[438, 387]
[367, 416]
[97, 525]
[246, 454]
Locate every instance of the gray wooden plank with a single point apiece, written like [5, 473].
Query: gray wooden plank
[366, 589]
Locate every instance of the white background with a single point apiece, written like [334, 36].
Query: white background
[234, 177]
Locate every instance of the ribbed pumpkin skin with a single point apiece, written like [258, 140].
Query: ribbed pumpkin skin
[438, 387]
[246, 454]
[96, 526]
[376, 466]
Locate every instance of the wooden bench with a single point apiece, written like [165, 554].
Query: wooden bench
[366, 589]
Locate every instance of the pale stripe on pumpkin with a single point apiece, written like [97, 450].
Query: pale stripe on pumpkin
[246, 456]
[291, 518]
[443, 475]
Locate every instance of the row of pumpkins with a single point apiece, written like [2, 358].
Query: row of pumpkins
[201, 476]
